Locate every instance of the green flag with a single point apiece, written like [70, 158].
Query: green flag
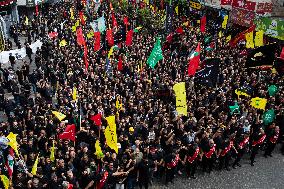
[155, 55]
[272, 90]
[268, 117]
[234, 108]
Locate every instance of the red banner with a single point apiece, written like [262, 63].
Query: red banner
[226, 2]
[263, 8]
[244, 4]
[242, 17]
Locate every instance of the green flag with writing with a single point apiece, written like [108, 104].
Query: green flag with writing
[155, 55]
[268, 117]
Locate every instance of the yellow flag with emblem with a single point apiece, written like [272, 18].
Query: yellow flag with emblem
[110, 133]
[249, 40]
[58, 115]
[13, 142]
[258, 103]
[5, 181]
[34, 169]
[181, 106]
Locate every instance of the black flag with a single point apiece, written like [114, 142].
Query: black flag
[169, 17]
[209, 74]
[261, 56]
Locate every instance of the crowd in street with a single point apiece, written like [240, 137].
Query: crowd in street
[155, 144]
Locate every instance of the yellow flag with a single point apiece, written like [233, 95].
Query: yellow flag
[181, 106]
[27, 21]
[71, 14]
[34, 169]
[5, 181]
[60, 116]
[52, 152]
[13, 142]
[198, 21]
[73, 28]
[98, 152]
[118, 105]
[258, 103]
[77, 23]
[241, 93]
[90, 35]
[146, 2]
[228, 38]
[110, 133]
[185, 23]
[152, 8]
[74, 95]
[111, 51]
[273, 70]
[258, 40]
[225, 21]
[62, 43]
[220, 34]
[249, 40]
[176, 9]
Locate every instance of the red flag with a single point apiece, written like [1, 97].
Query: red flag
[179, 30]
[194, 61]
[69, 133]
[170, 37]
[97, 41]
[203, 24]
[119, 65]
[80, 37]
[52, 35]
[282, 54]
[241, 36]
[114, 22]
[129, 37]
[86, 57]
[81, 15]
[226, 2]
[36, 9]
[109, 37]
[125, 20]
[97, 119]
[70, 186]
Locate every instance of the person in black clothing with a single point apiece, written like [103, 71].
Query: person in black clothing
[258, 138]
[171, 161]
[241, 145]
[12, 60]
[191, 159]
[272, 139]
[143, 173]
[29, 52]
[225, 153]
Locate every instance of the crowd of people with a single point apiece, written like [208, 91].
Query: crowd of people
[155, 144]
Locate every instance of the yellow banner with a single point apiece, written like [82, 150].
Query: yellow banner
[110, 133]
[181, 106]
[249, 40]
[258, 40]
[225, 21]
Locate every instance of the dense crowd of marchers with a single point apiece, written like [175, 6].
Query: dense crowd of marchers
[99, 117]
